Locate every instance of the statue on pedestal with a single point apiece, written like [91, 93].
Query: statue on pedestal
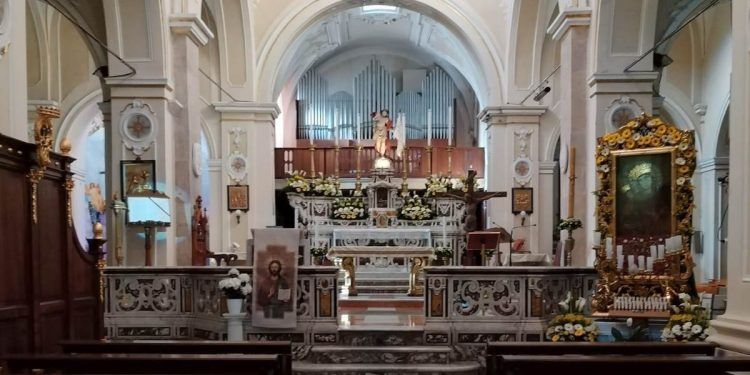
[381, 126]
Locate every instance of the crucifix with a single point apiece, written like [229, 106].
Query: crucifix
[472, 198]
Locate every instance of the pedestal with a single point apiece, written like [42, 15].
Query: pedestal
[234, 326]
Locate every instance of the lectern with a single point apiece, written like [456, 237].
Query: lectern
[482, 241]
[148, 209]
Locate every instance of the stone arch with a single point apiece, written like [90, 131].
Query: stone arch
[279, 48]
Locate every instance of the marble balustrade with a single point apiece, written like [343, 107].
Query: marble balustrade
[472, 305]
[185, 302]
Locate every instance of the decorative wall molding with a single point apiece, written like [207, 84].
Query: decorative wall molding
[236, 162]
[5, 26]
[192, 26]
[138, 127]
[620, 111]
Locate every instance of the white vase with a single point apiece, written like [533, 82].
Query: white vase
[234, 305]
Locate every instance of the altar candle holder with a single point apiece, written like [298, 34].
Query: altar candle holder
[405, 170]
[429, 159]
[450, 161]
[336, 151]
[358, 180]
[312, 160]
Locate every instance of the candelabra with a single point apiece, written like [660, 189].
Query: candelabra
[336, 151]
[450, 160]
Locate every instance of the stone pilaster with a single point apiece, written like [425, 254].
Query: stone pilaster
[512, 146]
[732, 330]
[247, 131]
[13, 95]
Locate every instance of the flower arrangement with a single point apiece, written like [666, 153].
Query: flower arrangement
[571, 324]
[688, 323]
[437, 184]
[570, 224]
[318, 251]
[460, 184]
[443, 252]
[297, 182]
[415, 208]
[348, 208]
[237, 285]
[326, 186]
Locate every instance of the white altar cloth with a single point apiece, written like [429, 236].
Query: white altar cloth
[408, 237]
[381, 251]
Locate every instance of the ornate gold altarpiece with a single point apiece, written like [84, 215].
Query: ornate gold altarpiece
[639, 148]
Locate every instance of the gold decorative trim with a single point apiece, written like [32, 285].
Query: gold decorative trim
[69, 185]
[34, 176]
[44, 132]
[645, 135]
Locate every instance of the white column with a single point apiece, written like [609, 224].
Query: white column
[13, 92]
[248, 128]
[513, 133]
[545, 206]
[732, 330]
[707, 256]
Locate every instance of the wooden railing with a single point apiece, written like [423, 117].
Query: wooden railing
[418, 161]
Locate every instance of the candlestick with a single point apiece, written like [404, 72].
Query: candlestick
[620, 261]
[619, 250]
[429, 160]
[312, 159]
[650, 264]
[597, 238]
[450, 126]
[336, 151]
[660, 251]
[429, 127]
[336, 127]
[641, 262]
[631, 263]
[359, 130]
[358, 181]
[450, 160]
[653, 251]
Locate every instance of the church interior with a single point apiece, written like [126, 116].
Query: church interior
[374, 186]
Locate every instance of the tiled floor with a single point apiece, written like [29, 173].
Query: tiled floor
[386, 312]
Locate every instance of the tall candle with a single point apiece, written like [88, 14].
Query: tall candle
[336, 127]
[608, 246]
[619, 250]
[650, 264]
[429, 127]
[641, 262]
[660, 251]
[359, 129]
[450, 125]
[631, 262]
[653, 251]
[597, 238]
[620, 261]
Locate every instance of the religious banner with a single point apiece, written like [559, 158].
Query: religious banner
[275, 278]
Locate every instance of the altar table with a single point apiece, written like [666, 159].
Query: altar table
[417, 255]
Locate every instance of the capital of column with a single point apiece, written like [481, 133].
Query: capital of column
[248, 111]
[622, 83]
[192, 26]
[511, 114]
[568, 18]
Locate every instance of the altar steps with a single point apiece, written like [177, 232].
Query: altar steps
[384, 360]
[379, 285]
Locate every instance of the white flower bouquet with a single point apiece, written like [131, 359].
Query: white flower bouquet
[237, 285]
[326, 186]
[297, 182]
[348, 209]
[459, 184]
[570, 224]
[437, 184]
[415, 208]
[571, 324]
[688, 323]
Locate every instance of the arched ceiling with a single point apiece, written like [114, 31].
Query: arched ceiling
[388, 30]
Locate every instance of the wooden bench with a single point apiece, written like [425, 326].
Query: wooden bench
[281, 348]
[618, 365]
[265, 364]
[497, 349]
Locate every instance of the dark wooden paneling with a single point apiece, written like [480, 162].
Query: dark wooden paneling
[47, 288]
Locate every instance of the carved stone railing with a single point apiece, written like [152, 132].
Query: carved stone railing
[185, 302]
[466, 305]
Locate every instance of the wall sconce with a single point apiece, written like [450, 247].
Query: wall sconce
[523, 217]
[237, 215]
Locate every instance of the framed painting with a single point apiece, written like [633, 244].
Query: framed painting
[643, 181]
[274, 297]
[238, 197]
[137, 176]
[523, 200]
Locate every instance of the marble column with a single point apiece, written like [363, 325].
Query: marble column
[247, 133]
[513, 144]
[189, 33]
[13, 92]
[571, 29]
[732, 330]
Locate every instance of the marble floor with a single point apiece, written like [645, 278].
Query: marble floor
[381, 312]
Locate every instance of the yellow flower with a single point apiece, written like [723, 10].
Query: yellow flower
[626, 133]
[629, 143]
[689, 153]
[661, 130]
[656, 142]
[579, 332]
[600, 159]
[674, 138]
[555, 338]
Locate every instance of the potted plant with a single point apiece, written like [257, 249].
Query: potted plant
[688, 323]
[319, 256]
[443, 256]
[570, 324]
[235, 287]
[569, 225]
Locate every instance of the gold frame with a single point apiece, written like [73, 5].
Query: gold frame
[613, 183]
[644, 135]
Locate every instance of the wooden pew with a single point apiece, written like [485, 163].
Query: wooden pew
[265, 364]
[619, 364]
[281, 348]
[497, 349]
